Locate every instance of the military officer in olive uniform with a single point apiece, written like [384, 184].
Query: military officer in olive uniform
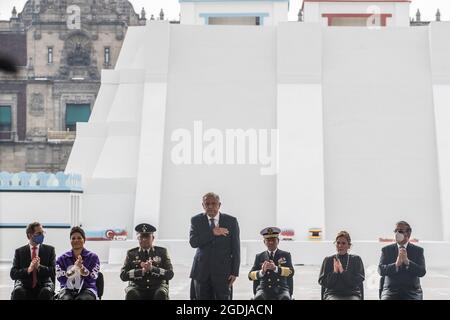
[147, 268]
[272, 271]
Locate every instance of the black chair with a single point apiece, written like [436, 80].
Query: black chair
[290, 282]
[192, 295]
[380, 290]
[361, 287]
[100, 283]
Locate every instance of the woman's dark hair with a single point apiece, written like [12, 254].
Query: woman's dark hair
[78, 230]
[344, 234]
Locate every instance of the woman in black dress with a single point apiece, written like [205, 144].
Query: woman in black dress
[342, 274]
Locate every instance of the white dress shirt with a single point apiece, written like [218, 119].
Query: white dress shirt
[404, 245]
[216, 219]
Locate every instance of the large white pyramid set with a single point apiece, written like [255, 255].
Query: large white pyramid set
[299, 125]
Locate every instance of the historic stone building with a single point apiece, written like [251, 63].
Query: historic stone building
[60, 46]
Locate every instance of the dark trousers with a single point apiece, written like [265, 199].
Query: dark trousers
[84, 294]
[156, 293]
[44, 292]
[212, 289]
[401, 294]
[341, 297]
[262, 294]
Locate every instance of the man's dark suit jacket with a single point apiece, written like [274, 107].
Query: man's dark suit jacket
[216, 256]
[406, 278]
[22, 260]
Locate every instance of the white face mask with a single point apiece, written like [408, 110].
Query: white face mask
[399, 237]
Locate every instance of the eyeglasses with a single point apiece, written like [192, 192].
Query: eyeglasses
[340, 242]
[400, 231]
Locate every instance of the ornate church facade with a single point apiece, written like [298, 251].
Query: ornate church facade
[60, 46]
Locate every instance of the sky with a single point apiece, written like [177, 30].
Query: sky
[171, 8]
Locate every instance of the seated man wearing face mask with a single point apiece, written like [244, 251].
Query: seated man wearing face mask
[34, 267]
[401, 265]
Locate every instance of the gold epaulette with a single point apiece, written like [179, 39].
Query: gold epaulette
[285, 272]
[253, 275]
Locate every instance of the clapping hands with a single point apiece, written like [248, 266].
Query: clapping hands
[402, 257]
[268, 265]
[146, 266]
[34, 264]
[337, 266]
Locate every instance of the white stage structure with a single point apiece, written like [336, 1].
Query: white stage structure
[360, 113]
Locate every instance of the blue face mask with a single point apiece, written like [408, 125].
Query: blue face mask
[38, 239]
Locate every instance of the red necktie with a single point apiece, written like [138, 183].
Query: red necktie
[34, 281]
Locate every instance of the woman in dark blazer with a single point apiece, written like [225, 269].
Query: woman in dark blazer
[342, 274]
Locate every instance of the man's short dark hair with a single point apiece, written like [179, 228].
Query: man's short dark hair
[211, 195]
[31, 227]
[408, 227]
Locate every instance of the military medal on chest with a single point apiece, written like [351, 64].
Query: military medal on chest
[156, 259]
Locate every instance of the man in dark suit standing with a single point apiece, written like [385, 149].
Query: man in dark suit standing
[401, 265]
[215, 235]
[34, 267]
[272, 270]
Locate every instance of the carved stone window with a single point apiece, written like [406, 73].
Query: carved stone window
[76, 113]
[107, 57]
[50, 55]
[37, 104]
[5, 118]
[73, 100]
[78, 50]
[8, 119]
